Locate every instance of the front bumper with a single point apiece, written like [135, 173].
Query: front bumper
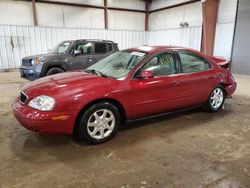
[30, 73]
[44, 122]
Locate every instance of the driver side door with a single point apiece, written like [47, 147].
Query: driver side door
[160, 93]
[84, 58]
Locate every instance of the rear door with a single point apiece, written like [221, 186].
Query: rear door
[196, 78]
[101, 51]
[85, 58]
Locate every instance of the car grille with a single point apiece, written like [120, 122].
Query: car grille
[23, 98]
[26, 62]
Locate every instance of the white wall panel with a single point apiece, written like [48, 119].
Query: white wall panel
[131, 4]
[227, 11]
[16, 13]
[83, 17]
[166, 19]
[223, 40]
[225, 28]
[126, 20]
[156, 4]
[49, 15]
[20, 41]
[171, 18]
[68, 16]
[193, 14]
[185, 37]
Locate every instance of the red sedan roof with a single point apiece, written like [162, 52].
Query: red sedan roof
[155, 49]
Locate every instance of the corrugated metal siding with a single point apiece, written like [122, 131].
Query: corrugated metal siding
[186, 37]
[20, 41]
[223, 40]
[241, 55]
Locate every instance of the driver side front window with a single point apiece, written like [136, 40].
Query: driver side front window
[161, 65]
[84, 48]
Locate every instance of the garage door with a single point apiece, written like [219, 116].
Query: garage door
[241, 47]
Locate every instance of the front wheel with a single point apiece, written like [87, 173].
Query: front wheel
[98, 124]
[216, 99]
[54, 70]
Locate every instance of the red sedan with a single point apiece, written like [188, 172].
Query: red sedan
[130, 84]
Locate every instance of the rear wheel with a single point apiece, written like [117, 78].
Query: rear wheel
[98, 124]
[216, 99]
[54, 70]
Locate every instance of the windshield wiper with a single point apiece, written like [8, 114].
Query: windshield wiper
[98, 73]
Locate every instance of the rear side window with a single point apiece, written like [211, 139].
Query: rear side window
[100, 47]
[110, 47]
[193, 63]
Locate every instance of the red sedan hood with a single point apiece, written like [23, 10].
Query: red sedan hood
[73, 82]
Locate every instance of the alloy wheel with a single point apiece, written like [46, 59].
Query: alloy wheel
[216, 98]
[101, 124]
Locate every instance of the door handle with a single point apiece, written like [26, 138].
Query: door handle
[90, 58]
[211, 76]
[175, 83]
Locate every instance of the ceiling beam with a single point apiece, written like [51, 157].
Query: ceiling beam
[174, 6]
[88, 6]
[69, 4]
[126, 9]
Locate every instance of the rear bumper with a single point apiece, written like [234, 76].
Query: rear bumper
[44, 122]
[230, 89]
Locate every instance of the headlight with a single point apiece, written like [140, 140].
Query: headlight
[43, 103]
[38, 61]
[35, 61]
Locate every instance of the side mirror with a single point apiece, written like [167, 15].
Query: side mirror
[146, 75]
[77, 52]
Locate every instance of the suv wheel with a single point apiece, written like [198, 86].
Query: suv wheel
[98, 124]
[54, 70]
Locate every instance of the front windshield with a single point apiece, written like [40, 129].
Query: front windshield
[61, 48]
[118, 65]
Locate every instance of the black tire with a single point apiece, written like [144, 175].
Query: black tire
[54, 70]
[210, 105]
[82, 130]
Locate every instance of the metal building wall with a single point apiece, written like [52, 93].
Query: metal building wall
[225, 28]
[19, 41]
[165, 25]
[241, 46]
[186, 37]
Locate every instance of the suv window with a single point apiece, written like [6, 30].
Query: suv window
[100, 47]
[61, 48]
[84, 47]
[162, 64]
[110, 47]
[193, 63]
